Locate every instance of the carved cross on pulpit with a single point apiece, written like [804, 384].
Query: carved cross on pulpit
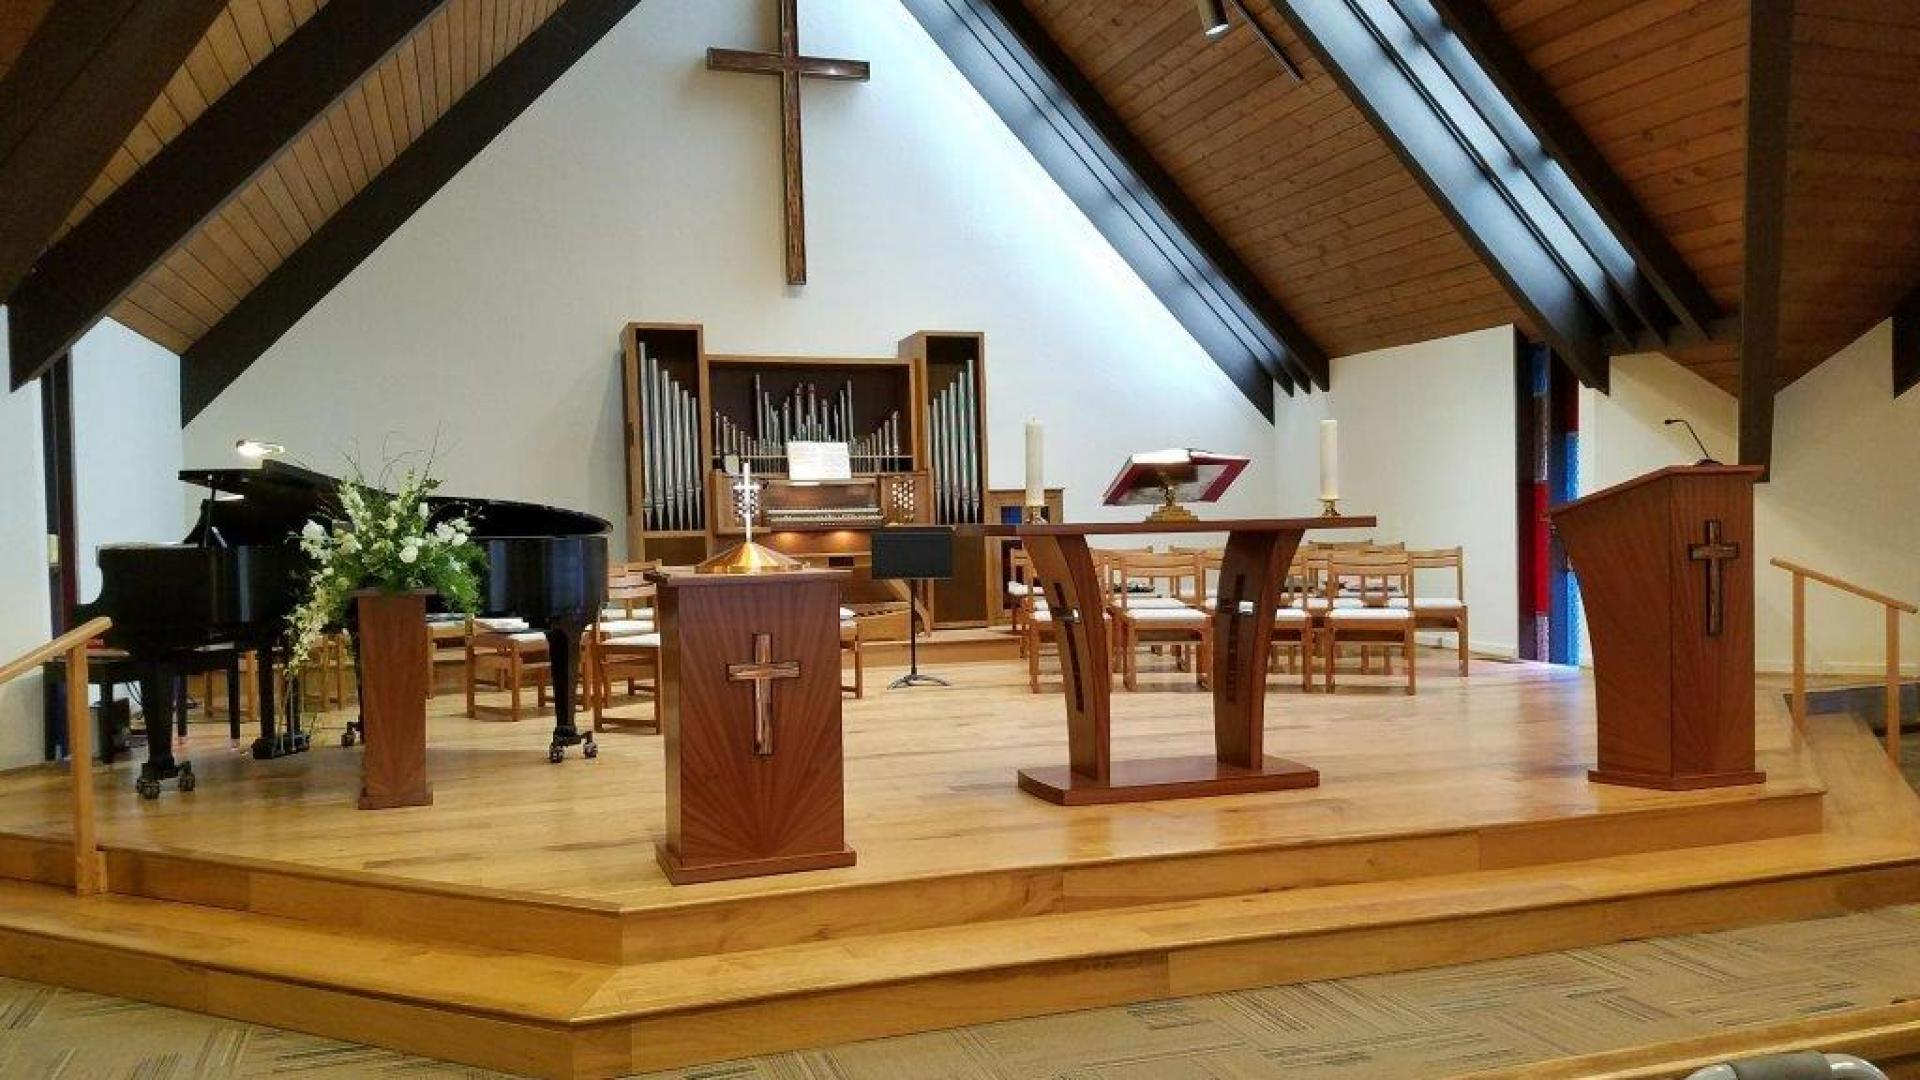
[1715, 552]
[791, 67]
[761, 672]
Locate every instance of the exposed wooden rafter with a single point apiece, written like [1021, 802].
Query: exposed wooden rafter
[1769, 71]
[78, 281]
[1906, 343]
[1071, 130]
[1536, 102]
[220, 356]
[87, 76]
[1426, 141]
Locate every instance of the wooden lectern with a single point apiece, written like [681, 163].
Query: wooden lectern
[750, 707]
[1665, 563]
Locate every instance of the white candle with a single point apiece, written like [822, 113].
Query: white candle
[1036, 477]
[1329, 458]
[746, 497]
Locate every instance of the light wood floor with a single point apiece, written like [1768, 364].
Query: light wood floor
[929, 781]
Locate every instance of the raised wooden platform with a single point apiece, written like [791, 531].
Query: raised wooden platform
[520, 923]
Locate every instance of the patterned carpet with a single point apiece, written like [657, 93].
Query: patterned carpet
[1417, 1024]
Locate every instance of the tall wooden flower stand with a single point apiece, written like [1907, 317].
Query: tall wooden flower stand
[393, 698]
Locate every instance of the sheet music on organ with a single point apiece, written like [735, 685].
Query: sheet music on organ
[816, 461]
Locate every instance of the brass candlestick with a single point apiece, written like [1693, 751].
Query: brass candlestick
[1329, 507]
[1033, 515]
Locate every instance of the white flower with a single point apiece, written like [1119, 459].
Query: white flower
[444, 533]
[409, 554]
[424, 511]
[348, 543]
[459, 538]
[312, 530]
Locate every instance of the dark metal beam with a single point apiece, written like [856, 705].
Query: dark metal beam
[1906, 343]
[212, 363]
[91, 268]
[1478, 208]
[1061, 118]
[1769, 71]
[90, 71]
[1530, 96]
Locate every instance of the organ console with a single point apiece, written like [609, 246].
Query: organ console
[914, 425]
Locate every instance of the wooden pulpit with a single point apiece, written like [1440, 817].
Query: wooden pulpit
[750, 708]
[1665, 563]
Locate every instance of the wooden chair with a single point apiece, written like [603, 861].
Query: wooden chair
[1023, 593]
[624, 646]
[1444, 613]
[850, 647]
[1037, 626]
[505, 654]
[324, 676]
[1160, 617]
[1373, 575]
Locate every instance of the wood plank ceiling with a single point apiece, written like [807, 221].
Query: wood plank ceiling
[1307, 193]
[1294, 178]
[18, 20]
[208, 274]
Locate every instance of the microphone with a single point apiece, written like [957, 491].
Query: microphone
[1705, 458]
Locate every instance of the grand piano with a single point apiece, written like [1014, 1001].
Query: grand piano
[180, 609]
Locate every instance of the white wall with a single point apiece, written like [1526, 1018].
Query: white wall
[1427, 446]
[1844, 495]
[126, 445]
[24, 619]
[642, 186]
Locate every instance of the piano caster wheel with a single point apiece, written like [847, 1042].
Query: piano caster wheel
[556, 753]
[589, 748]
[186, 782]
[148, 789]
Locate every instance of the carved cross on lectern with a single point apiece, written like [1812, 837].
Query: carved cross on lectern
[791, 67]
[761, 672]
[1715, 552]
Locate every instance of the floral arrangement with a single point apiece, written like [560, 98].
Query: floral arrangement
[387, 541]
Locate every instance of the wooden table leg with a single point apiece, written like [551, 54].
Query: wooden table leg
[1249, 576]
[1077, 603]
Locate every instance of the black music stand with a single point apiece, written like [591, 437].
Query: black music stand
[913, 553]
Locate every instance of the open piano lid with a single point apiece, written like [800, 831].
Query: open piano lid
[276, 498]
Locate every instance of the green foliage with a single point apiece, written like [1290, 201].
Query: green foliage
[382, 540]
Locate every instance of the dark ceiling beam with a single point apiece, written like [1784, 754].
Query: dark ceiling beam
[1530, 96]
[1769, 71]
[79, 280]
[1426, 141]
[212, 363]
[1063, 121]
[1724, 330]
[1906, 343]
[86, 77]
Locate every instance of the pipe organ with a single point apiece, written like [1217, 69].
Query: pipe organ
[913, 423]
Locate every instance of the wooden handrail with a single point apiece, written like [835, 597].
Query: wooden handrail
[88, 877]
[1846, 586]
[79, 635]
[1893, 609]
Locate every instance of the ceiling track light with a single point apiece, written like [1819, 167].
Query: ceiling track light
[1213, 17]
[1213, 23]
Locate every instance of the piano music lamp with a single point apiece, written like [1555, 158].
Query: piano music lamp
[256, 449]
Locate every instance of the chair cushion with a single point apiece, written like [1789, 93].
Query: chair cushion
[1179, 616]
[1020, 588]
[1291, 616]
[626, 627]
[528, 637]
[1438, 603]
[1144, 602]
[503, 625]
[847, 614]
[636, 641]
[1376, 615]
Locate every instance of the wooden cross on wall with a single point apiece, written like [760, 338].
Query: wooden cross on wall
[791, 67]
